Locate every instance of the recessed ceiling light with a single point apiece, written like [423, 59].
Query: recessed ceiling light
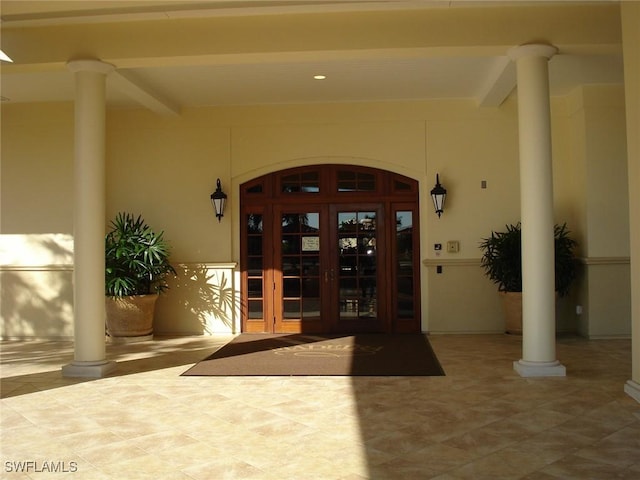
[319, 77]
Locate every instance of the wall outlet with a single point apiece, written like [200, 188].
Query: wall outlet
[578, 309]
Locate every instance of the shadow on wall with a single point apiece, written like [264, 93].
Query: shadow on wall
[200, 301]
[36, 286]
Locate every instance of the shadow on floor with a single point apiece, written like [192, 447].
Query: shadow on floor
[132, 358]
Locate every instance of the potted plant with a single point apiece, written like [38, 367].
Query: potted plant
[502, 263]
[136, 268]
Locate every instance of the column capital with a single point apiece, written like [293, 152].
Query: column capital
[532, 50]
[90, 65]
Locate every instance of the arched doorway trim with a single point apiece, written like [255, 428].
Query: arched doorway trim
[330, 248]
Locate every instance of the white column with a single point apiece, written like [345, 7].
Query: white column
[536, 197]
[89, 214]
[630, 13]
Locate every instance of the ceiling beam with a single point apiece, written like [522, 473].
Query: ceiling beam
[126, 84]
[183, 39]
[499, 83]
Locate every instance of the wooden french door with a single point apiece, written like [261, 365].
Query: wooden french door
[356, 260]
[326, 274]
[301, 273]
[328, 263]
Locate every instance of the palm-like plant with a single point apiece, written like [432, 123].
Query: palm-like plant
[502, 259]
[565, 260]
[137, 258]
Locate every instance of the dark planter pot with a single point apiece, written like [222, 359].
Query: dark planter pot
[512, 306]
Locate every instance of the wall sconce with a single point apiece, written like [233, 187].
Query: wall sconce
[438, 195]
[219, 199]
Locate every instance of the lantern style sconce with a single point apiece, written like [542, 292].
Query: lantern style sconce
[219, 199]
[438, 195]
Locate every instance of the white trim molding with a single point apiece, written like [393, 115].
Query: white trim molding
[453, 262]
[605, 260]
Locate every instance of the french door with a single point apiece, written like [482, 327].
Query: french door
[323, 265]
[301, 269]
[326, 260]
[357, 256]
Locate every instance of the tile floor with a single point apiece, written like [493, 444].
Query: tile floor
[479, 421]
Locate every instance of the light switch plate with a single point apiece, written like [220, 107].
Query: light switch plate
[453, 246]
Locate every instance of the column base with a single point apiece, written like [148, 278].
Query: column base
[540, 369]
[88, 369]
[632, 389]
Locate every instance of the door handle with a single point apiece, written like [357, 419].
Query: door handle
[329, 275]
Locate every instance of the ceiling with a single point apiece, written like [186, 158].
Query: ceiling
[459, 68]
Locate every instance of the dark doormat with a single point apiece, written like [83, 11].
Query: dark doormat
[310, 354]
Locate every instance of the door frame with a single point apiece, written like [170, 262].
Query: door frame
[315, 185]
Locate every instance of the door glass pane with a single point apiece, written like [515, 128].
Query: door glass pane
[255, 189]
[307, 182]
[291, 287]
[255, 287]
[254, 245]
[300, 253]
[291, 309]
[311, 265]
[254, 223]
[357, 282]
[290, 244]
[255, 264]
[291, 265]
[404, 266]
[350, 181]
[255, 309]
[310, 308]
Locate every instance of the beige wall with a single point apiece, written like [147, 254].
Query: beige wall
[599, 186]
[466, 149]
[165, 169]
[463, 143]
[36, 292]
[203, 299]
[36, 221]
[37, 168]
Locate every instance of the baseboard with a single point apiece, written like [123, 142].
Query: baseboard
[610, 337]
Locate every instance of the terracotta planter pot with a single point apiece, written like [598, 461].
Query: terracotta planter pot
[130, 316]
[512, 305]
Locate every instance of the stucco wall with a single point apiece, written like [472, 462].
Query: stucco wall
[36, 221]
[165, 169]
[597, 130]
[466, 145]
[36, 289]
